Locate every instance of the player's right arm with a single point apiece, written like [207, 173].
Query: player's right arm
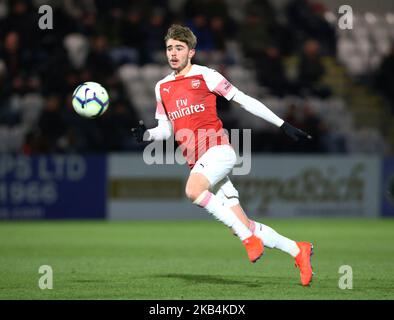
[161, 132]
[164, 128]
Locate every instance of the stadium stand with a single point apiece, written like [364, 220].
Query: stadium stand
[307, 69]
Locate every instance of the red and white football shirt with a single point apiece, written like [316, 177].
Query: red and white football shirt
[189, 102]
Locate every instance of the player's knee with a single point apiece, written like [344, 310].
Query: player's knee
[192, 192]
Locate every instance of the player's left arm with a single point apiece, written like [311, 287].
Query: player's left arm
[222, 87]
[258, 109]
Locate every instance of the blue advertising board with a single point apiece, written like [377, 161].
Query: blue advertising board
[388, 187]
[53, 187]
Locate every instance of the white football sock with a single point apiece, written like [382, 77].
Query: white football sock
[272, 239]
[224, 214]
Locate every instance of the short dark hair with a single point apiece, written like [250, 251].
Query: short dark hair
[181, 33]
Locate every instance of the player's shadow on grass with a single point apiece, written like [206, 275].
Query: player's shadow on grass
[202, 278]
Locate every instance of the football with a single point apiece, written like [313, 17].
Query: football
[90, 100]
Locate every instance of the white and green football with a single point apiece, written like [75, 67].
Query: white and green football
[90, 100]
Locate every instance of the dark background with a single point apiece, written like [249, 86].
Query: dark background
[336, 84]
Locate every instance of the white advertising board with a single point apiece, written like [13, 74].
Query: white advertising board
[277, 186]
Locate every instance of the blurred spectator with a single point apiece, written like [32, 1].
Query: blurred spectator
[51, 124]
[271, 72]
[385, 77]
[3, 82]
[311, 71]
[54, 72]
[199, 24]
[77, 46]
[34, 143]
[78, 8]
[132, 37]
[21, 18]
[13, 55]
[113, 21]
[263, 9]
[278, 34]
[253, 36]
[322, 30]
[222, 25]
[17, 67]
[194, 7]
[154, 31]
[307, 20]
[87, 25]
[219, 32]
[99, 60]
[216, 8]
[132, 30]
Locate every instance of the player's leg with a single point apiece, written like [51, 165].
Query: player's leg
[215, 164]
[229, 196]
[269, 236]
[301, 251]
[197, 190]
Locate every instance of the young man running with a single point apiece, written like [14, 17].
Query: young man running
[186, 106]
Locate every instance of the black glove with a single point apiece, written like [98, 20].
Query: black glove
[293, 132]
[139, 131]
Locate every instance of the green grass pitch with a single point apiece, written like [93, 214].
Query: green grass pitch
[191, 260]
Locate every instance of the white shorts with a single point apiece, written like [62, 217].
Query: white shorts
[216, 163]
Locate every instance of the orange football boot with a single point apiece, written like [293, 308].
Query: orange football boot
[254, 247]
[303, 262]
